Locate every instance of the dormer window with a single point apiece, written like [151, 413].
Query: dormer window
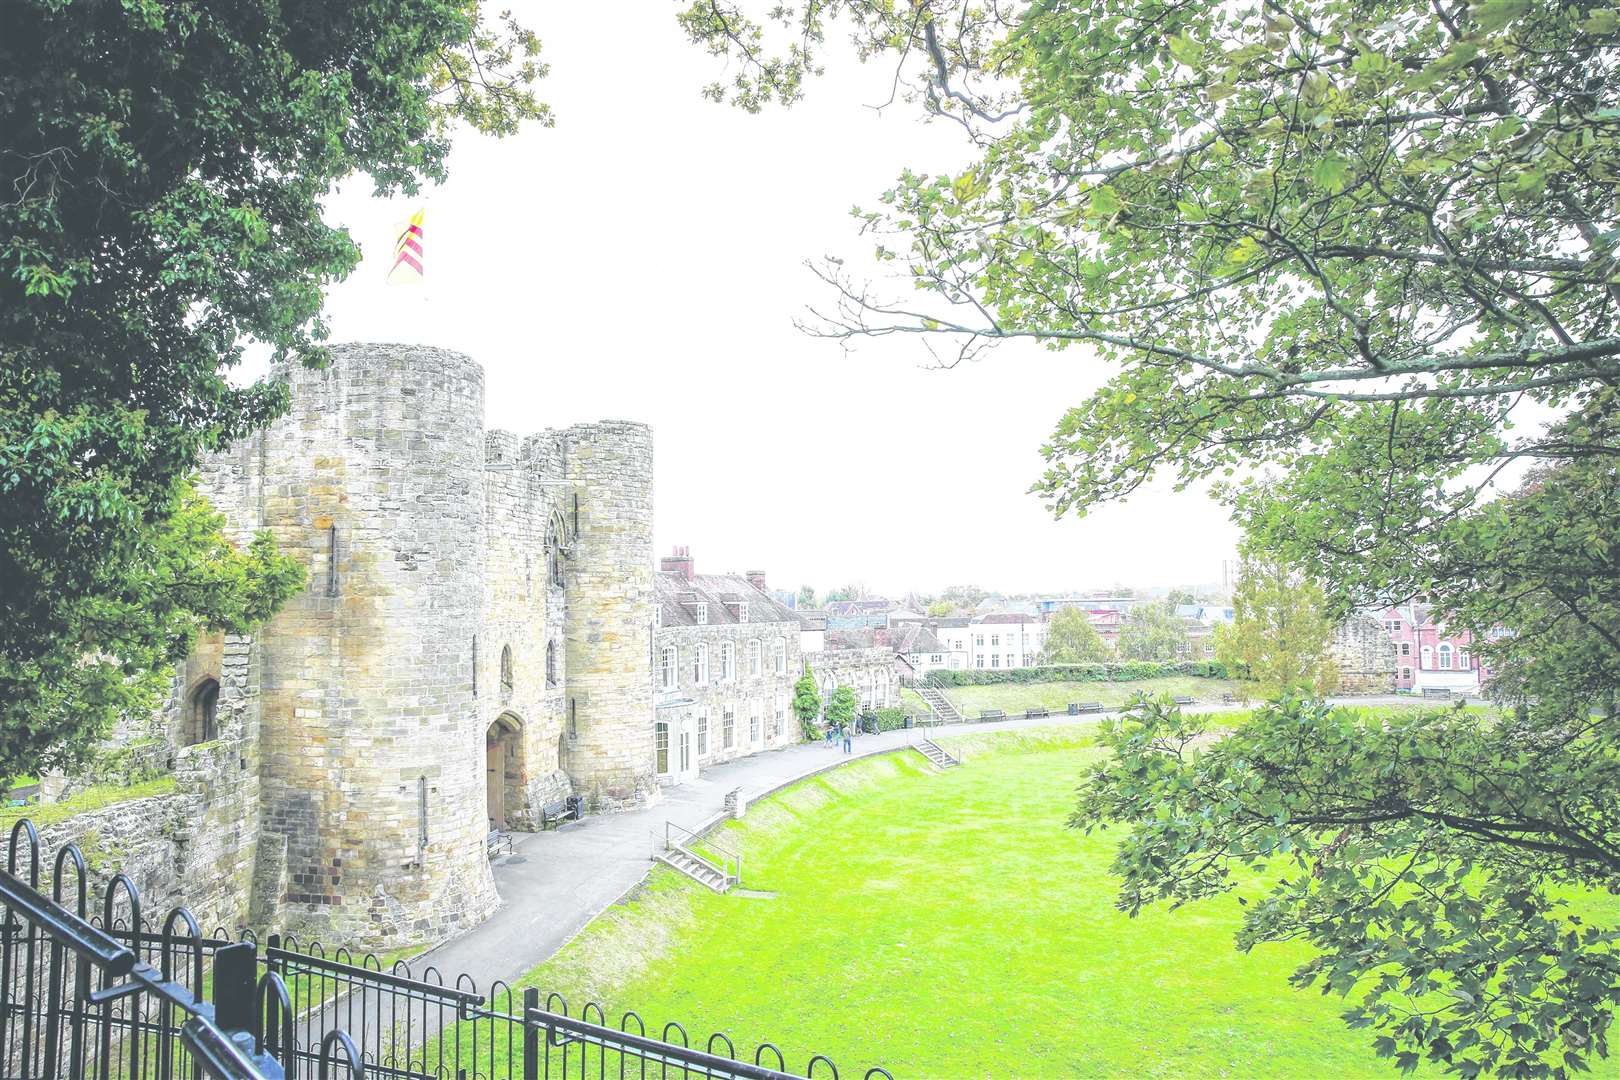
[702, 614]
[742, 611]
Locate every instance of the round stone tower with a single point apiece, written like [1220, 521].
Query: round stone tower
[373, 765]
[609, 576]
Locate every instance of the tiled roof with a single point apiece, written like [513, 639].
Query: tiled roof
[722, 592]
[860, 607]
[907, 638]
[1007, 617]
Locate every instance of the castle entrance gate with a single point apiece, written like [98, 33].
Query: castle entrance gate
[503, 764]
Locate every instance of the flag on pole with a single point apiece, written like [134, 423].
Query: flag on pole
[407, 269]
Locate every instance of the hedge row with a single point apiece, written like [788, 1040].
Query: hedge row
[882, 720]
[1129, 671]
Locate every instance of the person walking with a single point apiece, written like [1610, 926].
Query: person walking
[829, 736]
[849, 733]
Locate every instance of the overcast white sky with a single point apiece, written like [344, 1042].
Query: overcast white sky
[643, 260]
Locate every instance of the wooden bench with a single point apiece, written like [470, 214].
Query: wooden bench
[1182, 699]
[1035, 713]
[499, 843]
[554, 814]
[1436, 692]
[1078, 707]
[992, 714]
[1228, 699]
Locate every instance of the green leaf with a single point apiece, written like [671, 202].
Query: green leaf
[1331, 174]
[1601, 22]
[1105, 201]
[1493, 15]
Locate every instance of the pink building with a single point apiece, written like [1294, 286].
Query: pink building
[1106, 623]
[1428, 656]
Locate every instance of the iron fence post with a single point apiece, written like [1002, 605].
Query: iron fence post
[531, 1037]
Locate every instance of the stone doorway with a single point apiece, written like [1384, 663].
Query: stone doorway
[504, 772]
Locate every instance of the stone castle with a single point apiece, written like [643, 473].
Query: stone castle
[473, 643]
[481, 636]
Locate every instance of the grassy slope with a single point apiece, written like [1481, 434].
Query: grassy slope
[93, 798]
[950, 926]
[1016, 697]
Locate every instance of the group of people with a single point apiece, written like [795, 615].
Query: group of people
[844, 732]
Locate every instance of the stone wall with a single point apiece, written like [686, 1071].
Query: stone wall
[609, 577]
[524, 612]
[373, 772]
[871, 673]
[1365, 656]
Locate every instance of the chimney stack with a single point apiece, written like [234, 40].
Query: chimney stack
[756, 578]
[678, 561]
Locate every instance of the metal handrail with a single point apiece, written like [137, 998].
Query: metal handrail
[721, 848]
[561, 1029]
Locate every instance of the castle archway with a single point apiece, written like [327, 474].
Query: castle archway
[505, 773]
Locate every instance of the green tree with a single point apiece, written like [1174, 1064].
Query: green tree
[841, 705]
[807, 704]
[184, 578]
[940, 609]
[1332, 246]
[1151, 632]
[807, 596]
[1178, 597]
[1280, 630]
[1071, 639]
[163, 167]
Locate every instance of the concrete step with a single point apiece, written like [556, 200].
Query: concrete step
[697, 868]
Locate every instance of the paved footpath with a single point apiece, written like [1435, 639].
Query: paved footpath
[556, 882]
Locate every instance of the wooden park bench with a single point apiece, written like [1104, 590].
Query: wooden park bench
[1078, 707]
[1228, 699]
[992, 714]
[555, 813]
[499, 843]
[1182, 699]
[1035, 713]
[1436, 691]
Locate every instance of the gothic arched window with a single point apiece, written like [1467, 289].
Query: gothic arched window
[202, 713]
[506, 669]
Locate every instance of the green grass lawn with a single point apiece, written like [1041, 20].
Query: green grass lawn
[1016, 697]
[949, 925]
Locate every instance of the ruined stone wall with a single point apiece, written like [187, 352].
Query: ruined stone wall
[1365, 655]
[871, 673]
[609, 579]
[373, 767]
[197, 845]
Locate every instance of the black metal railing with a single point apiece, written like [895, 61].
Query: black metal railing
[107, 993]
[108, 996]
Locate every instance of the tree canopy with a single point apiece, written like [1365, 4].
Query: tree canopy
[1151, 632]
[1280, 629]
[806, 703]
[841, 706]
[1353, 261]
[163, 167]
[1071, 639]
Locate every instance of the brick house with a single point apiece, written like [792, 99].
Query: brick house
[1428, 655]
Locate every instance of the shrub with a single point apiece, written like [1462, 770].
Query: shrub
[887, 719]
[1127, 671]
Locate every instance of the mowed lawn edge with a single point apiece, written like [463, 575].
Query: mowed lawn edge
[950, 925]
